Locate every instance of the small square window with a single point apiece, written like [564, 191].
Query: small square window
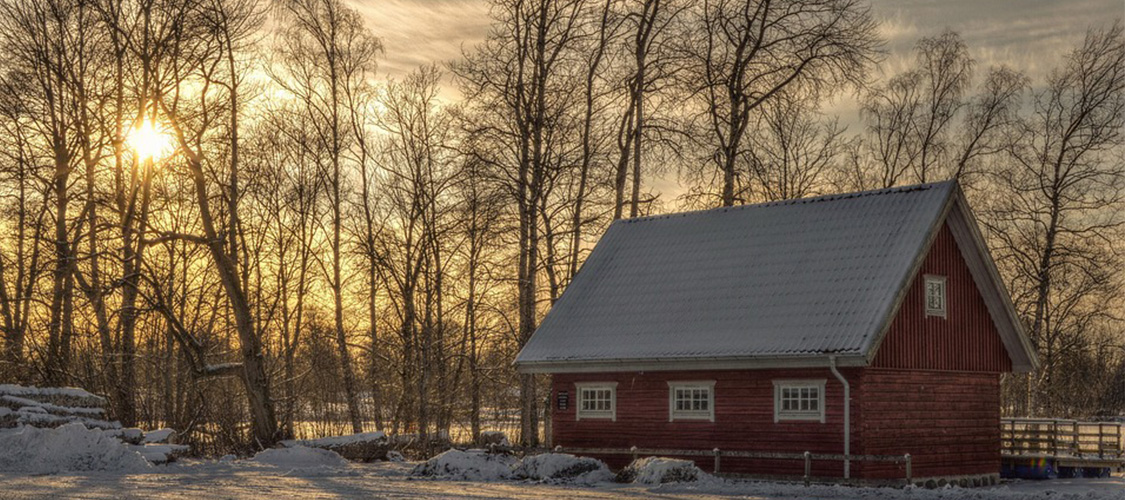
[935, 296]
[597, 400]
[798, 400]
[691, 400]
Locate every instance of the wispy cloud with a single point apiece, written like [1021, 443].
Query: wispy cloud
[1032, 36]
[1029, 35]
[420, 32]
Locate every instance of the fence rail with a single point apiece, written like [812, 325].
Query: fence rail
[1061, 438]
[718, 454]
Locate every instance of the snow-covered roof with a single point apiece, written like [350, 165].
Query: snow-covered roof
[778, 282]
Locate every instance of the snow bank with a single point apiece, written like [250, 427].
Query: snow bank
[159, 454]
[471, 465]
[299, 457]
[38, 417]
[562, 467]
[160, 436]
[70, 447]
[50, 407]
[337, 441]
[659, 470]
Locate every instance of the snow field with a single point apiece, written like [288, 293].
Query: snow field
[299, 457]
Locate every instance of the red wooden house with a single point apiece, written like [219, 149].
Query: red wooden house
[748, 328]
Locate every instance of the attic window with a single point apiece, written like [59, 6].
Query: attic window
[935, 296]
[597, 400]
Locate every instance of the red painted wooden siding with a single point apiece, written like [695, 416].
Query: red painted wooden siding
[966, 340]
[948, 421]
[743, 419]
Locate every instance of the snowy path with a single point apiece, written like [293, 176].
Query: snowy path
[388, 481]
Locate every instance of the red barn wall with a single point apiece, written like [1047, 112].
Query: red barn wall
[948, 421]
[743, 419]
[965, 340]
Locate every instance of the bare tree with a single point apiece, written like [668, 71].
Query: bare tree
[192, 105]
[921, 126]
[792, 149]
[40, 38]
[747, 51]
[417, 162]
[988, 122]
[944, 73]
[649, 29]
[1059, 216]
[329, 55]
[20, 266]
[514, 78]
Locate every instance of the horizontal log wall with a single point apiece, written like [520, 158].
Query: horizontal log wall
[949, 422]
[743, 419]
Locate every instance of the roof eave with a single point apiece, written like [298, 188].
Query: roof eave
[815, 360]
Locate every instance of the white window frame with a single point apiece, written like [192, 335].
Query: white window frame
[942, 312]
[610, 414]
[674, 414]
[780, 415]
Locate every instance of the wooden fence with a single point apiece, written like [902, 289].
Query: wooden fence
[1058, 438]
[718, 454]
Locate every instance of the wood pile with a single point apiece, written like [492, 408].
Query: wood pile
[363, 447]
[50, 407]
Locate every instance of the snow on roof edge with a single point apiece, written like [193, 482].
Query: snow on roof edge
[794, 201]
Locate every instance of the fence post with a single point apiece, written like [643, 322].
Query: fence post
[1101, 440]
[1054, 437]
[717, 454]
[909, 473]
[808, 467]
[633, 450]
[1076, 447]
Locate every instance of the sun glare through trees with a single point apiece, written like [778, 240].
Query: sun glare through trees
[149, 142]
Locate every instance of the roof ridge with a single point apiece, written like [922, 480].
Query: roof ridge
[797, 201]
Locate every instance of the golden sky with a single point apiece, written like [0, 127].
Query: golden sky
[1029, 35]
[1017, 32]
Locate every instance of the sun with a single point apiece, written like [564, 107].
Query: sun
[149, 142]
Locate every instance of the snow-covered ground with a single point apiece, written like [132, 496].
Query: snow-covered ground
[259, 479]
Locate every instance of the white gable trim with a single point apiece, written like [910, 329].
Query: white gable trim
[987, 278]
